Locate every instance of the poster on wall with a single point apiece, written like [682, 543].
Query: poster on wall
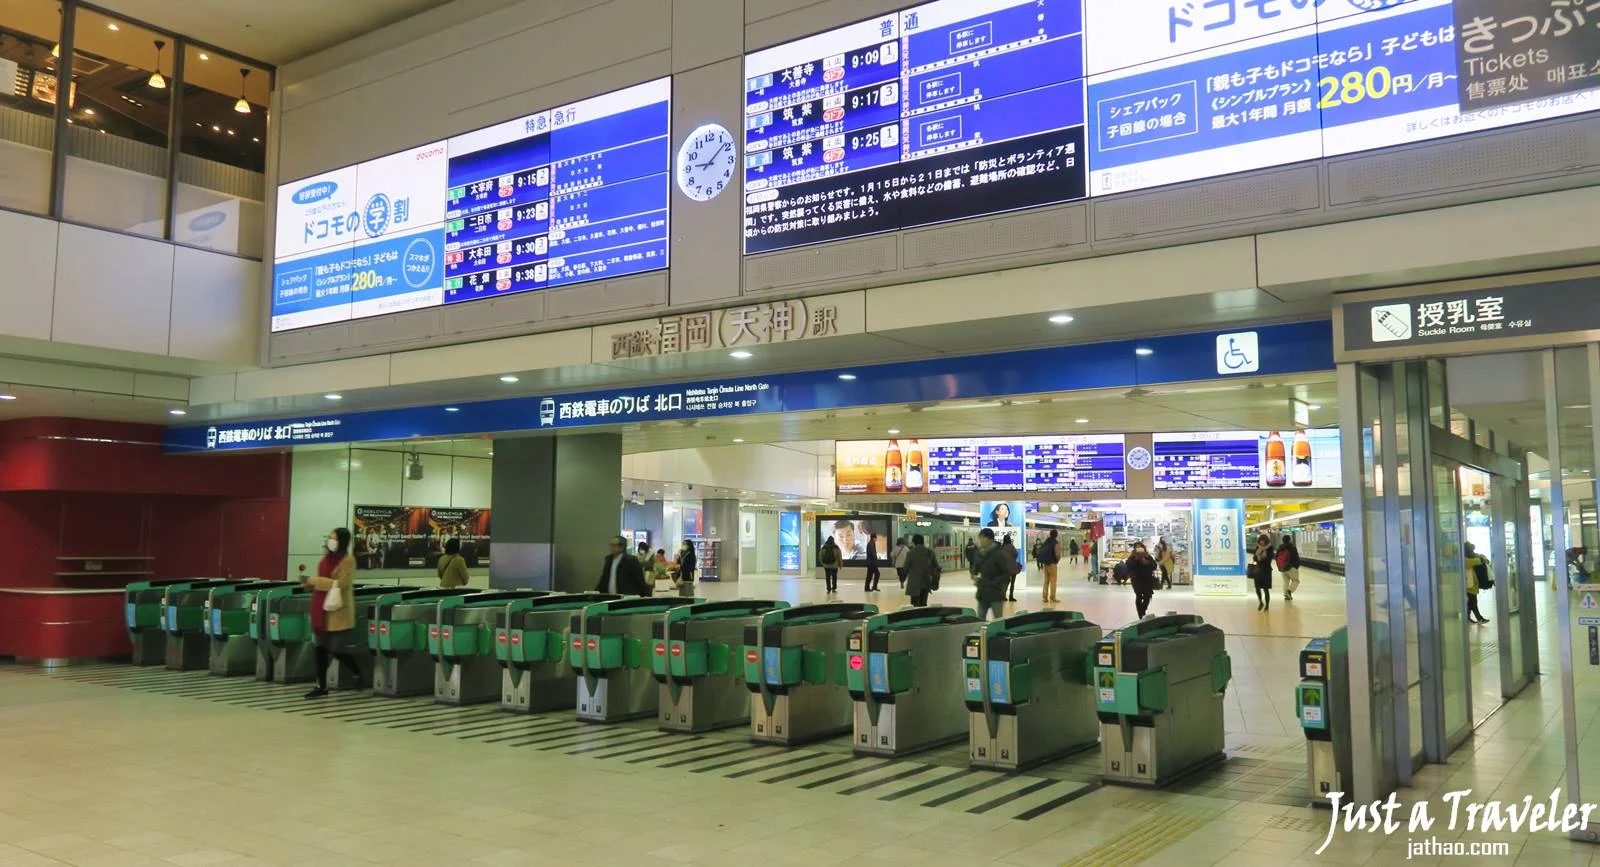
[1007, 519]
[413, 537]
[1219, 551]
[853, 533]
[788, 541]
[747, 530]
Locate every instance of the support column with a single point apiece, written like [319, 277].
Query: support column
[557, 503]
[722, 522]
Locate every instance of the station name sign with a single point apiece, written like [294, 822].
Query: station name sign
[1497, 314]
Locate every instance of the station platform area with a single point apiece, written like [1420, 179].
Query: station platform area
[109, 764]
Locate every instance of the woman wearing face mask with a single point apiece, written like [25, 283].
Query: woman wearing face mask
[333, 632]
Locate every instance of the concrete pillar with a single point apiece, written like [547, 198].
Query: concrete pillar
[722, 522]
[556, 503]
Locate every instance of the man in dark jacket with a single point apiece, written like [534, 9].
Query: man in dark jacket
[622, 573]
[992, 574]
[922, 571]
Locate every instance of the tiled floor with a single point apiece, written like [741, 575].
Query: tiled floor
[111, 765]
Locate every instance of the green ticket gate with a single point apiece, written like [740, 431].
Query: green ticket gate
[1320, 702]
[1029, 689]
[462, 644]
[226, 622]
[263, 610]
[694, 655]
[286, 620]
[536, 674]
[142, 603]
[608, 650]
[183, 616]
[397, 632]
[795, 664]
[904, 672]
[1159, 687]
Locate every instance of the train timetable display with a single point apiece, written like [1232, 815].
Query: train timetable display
[944, 111]
[1075, 463]
[572, 194]
[1246, 460]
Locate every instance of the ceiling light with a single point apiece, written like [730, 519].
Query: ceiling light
[89, 112]
[452, 409]
[243, 105]
[1313, 406]
[1081, 420]
[177, 412]
[848, 377]
[741, 354]
[894, 431]
[230, 132]
[156, 81]
[4, 396]
[1144, 350]
[112, 26]
[204, 56]
[331, 396]
[215, 128]
[1061, 319]
[738, 440]
[256, 140]
[509, 378]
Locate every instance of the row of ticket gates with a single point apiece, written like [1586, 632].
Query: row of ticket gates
[1022, 690]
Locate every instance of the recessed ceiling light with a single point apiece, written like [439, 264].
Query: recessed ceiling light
[331, 396]
[204, 56]
[1313, 406]
[255, 139]
[215, 128]
[177, 412]
[1144, 350]
[89, 112]
[1062, 319]
[509, 378]
[741, 354]
[894, 430]
[4, 396]
[452, 409]
[231, 132]
[112, 26]
[848, 377]
[738, 440]
[1081, 420]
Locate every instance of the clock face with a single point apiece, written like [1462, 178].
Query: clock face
[706, 162]
[1139, 458]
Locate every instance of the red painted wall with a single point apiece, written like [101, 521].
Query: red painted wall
[72, 487]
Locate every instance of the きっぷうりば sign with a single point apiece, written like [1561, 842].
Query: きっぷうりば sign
[1511, 51]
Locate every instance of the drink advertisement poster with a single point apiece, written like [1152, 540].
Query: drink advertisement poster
[880, 467]
[1300, 459]
[1007, 519]
[413, 537]
[1219, 550]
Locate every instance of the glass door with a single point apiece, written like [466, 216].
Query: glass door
[1450, 594]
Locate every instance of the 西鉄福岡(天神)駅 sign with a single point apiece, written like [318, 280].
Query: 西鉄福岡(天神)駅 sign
[1301, 347]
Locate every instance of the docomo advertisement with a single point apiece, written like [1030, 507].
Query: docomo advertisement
[1219, 548]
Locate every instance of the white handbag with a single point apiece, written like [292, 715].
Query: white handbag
[334, 600]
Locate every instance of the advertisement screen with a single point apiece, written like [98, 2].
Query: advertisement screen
[853, 534]
[954, 109]
[788, 541]
[1246, 460]
[940, 112]
[413, 537]
[572, 194]
[975, 465]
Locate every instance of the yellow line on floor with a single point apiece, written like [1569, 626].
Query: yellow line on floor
[1137, 843]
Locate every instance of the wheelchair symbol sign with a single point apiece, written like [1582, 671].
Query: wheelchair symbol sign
[1238, 353]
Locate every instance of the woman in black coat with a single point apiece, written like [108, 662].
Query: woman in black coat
[1261, 571]
[1142, 575]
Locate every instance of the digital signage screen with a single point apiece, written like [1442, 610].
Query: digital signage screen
[943, 111]
[1246, 460]
[565, 196]
[977, 465]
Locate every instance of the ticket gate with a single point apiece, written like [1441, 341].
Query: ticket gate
[1321, 702]
[398, 624]
[262, 609]
[286, 621]
[607, 645]
[1030, 692]
[904, 674]
[536, 674]
[794, 668]
[143, 614]
[226, 622]
[1159, 687]
[461, 641]
[694, 655]
[183, 616]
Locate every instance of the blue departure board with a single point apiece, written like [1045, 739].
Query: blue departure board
[565, 196]
[944, 111]
[1075, 463]
[1206, 461]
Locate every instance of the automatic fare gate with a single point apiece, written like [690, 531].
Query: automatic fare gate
[694, 655]
[608, 638]
[287, 655]
[226, 622]
[397, 632]
[144, 613]
[183, 615]
[1030, 689]
[1159, 685]
[536, 674]
[905, 676]
[1324, 710]
[462, 644]
[795, 664]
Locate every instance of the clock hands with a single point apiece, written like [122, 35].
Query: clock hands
[707, 163]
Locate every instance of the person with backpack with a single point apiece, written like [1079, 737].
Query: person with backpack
[830, 558]
[1141, 570]
[1289, 566]
[898, 557]
[1478, 579]
[921, 570]
[971, 553]
[991, 573]
[1049, 557]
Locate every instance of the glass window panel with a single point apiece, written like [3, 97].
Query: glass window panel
[1452, 595]
[30, 33]
[1575, 470]
[222, 153]
[117, 142]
